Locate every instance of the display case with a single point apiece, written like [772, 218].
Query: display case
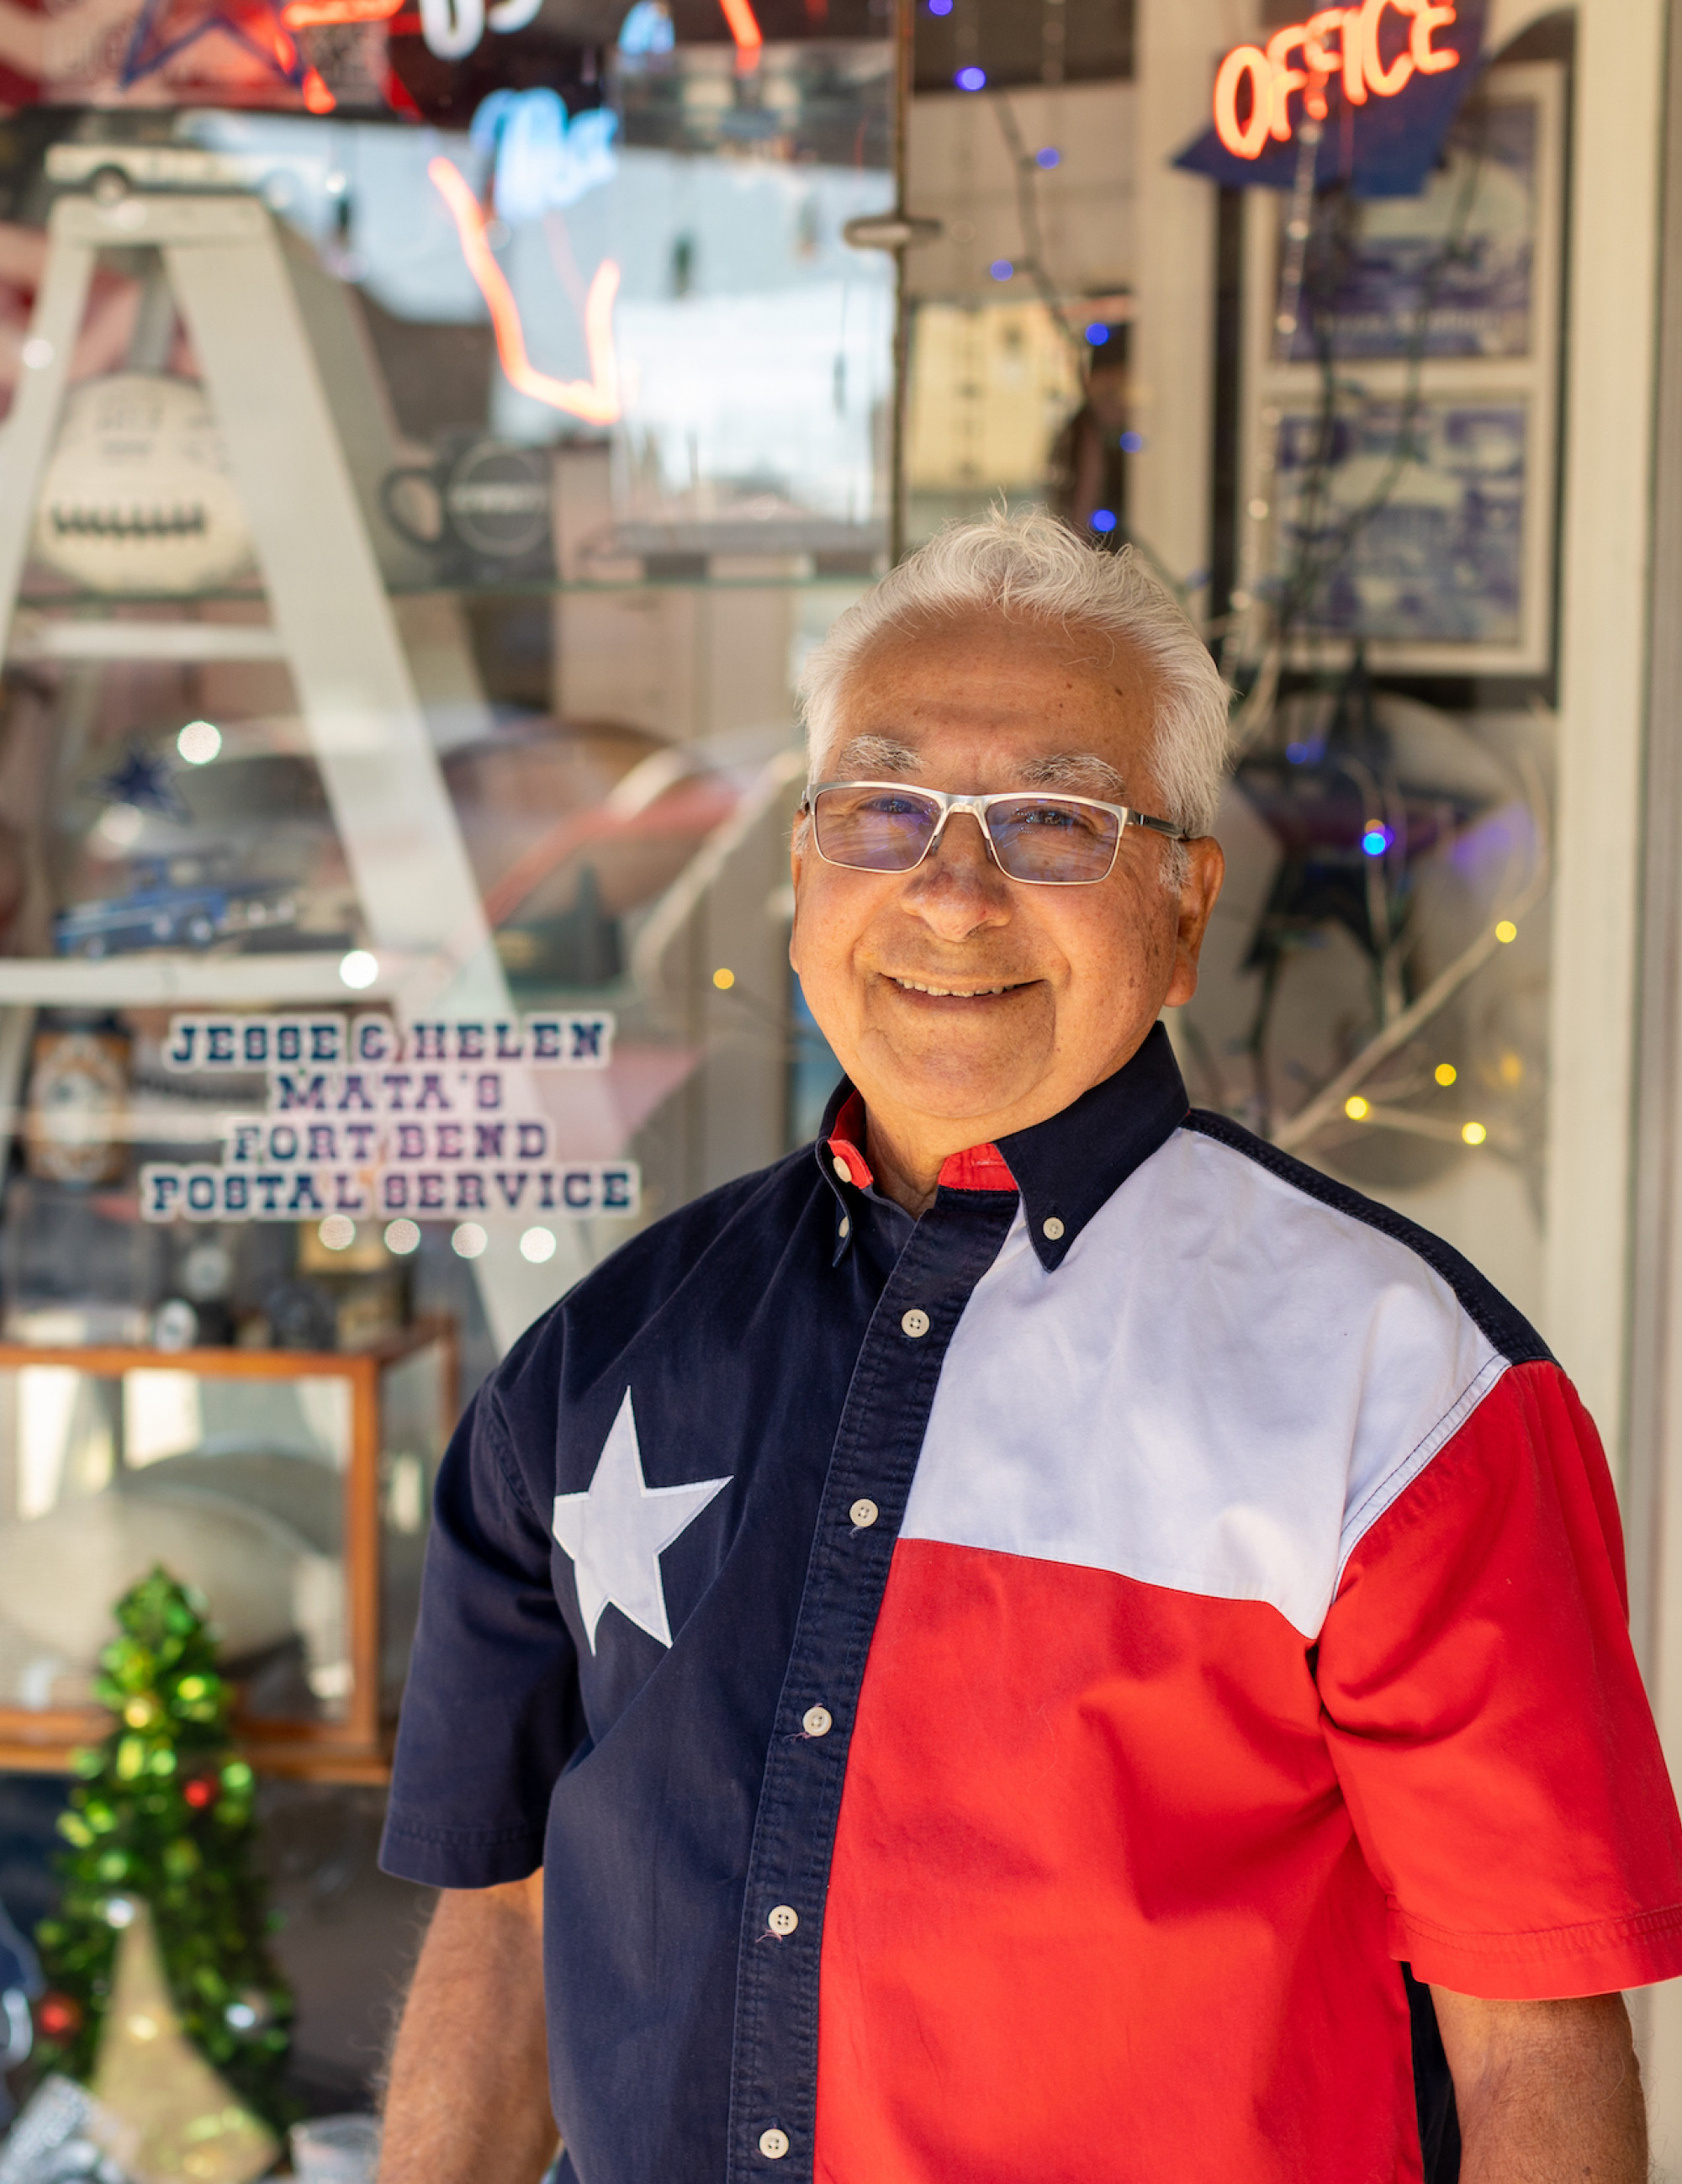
[290, 1488]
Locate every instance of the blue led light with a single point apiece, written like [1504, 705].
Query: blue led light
[1132, 443]
[1002, 268]
[971, 79]
[1048, 155]
[1103, 519]
[1299, 754]
[1376, 840]
[939, 6]
[1097, 335]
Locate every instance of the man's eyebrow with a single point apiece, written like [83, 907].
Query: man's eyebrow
[1084, 774]
[867, 758]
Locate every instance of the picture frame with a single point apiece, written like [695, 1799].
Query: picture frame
[1399, 412]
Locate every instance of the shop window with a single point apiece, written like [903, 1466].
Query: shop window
[412, 534]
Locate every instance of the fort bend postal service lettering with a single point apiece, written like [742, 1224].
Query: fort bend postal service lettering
[367, 1121]
[996, 1689]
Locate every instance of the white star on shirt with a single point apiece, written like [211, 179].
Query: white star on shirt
[616, 1532]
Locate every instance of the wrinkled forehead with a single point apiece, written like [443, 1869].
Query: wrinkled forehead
[1052, 705]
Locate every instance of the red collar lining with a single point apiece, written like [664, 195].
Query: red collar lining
[980, 1167]
[846, 1140]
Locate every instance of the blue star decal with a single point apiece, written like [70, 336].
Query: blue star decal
[144, 782]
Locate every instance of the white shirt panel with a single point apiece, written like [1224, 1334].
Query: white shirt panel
[1224, 1384]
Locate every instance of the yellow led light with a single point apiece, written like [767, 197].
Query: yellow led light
[1507, 930]
[1512, 1069]
[1357, 1108]
[1445, 1072]
[724, 980]
[1474, 1133]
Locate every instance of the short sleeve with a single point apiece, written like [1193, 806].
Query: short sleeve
[1487, 1720]
[491, 1713]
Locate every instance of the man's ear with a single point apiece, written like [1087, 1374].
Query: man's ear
[1206, 867]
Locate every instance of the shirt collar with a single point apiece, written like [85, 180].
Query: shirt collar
[1065, 1168]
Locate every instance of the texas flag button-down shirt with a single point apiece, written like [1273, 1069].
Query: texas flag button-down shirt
[1008, 1695]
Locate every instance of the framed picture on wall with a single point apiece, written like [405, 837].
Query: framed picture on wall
[1402, 387]
[1423, 524]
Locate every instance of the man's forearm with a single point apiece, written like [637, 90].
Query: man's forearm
[468, 2100]
[1547, 2093]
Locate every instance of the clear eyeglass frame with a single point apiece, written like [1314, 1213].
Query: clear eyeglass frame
[948, 803]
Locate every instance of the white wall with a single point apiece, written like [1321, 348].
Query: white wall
[1607, 480]
[1606, 544]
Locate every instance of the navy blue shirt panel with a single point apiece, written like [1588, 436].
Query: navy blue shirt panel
[492, 1712]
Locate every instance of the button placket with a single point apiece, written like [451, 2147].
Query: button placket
[773, 2090]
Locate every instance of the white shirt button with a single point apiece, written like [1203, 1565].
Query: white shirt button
[773, 2144]
[846, 1176]
[817, 1721]
[846, 1226]
[1052, 1228]
[782, 1920]
[864, 1513]
[914, 1323]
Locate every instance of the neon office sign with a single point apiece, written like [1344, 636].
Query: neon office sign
[1346, 45]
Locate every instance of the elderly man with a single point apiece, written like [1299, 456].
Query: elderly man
[1039, 1640]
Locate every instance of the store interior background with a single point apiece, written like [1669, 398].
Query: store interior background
[589, 630]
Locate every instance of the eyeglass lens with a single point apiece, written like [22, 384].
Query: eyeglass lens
[1035, 838]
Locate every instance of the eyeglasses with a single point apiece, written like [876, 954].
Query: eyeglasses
[1044, 841]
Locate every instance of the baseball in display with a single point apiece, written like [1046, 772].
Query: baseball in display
[137, 496]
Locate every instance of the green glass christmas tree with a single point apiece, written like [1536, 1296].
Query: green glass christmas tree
[163, 1819]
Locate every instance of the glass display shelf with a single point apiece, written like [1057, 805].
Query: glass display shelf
[744, 571]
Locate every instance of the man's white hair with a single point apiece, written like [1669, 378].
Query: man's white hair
[1031, 566]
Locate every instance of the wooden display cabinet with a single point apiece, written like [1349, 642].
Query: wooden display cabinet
[292, 1487]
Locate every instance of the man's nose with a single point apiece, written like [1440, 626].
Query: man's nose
[958, 886]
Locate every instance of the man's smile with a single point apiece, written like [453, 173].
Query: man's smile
[957, 993]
